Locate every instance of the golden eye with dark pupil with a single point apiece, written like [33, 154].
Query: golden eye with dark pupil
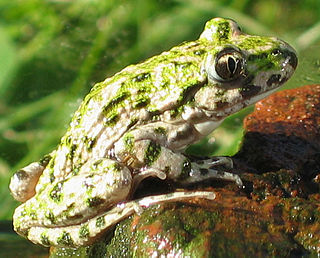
[228, 67]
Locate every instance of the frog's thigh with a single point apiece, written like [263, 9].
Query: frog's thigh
[98, 186]
[103, 181]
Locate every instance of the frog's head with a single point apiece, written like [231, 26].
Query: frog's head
[240, 69]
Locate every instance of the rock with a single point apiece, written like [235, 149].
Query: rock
[276, 214]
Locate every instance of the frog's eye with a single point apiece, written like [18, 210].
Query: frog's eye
[229, 65]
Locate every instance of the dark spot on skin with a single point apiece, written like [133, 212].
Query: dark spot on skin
[44, 240]
[199, 52]
[221, 104]
[100, 222]
[128, 140]
[112, 119]
[276, 52]
[248, 80]
[45, 160]
[249, 91]
[96, 163]
[90, 143]
[84, 231]
[186, 169]
[115, 101]
[50, 216]
[33, 215]
[204, 171]
[141, 101]
[65, 239]
[51, 165]
[72, 151]
[200, 162]
[51, 176]
[275, 78]
[259, 56]
[160, 130]
[223, 31]
[21, 175]
[94, 201]
[117, 167]
[56, 192]
[141, 77]
[167, 170]
[152, 153]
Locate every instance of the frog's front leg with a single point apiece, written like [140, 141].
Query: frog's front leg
[153, 159]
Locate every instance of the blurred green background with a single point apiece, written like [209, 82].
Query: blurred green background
[52, 53]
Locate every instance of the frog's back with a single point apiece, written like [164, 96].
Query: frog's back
[138, 94]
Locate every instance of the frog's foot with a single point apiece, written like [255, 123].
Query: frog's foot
[85, 233]
[211, 169]
[23, 182]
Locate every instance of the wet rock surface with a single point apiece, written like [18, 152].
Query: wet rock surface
[276, 214]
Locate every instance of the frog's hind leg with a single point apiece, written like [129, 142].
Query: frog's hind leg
[85, 233]
[212, 168]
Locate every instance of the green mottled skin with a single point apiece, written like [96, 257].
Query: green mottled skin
[135, 125]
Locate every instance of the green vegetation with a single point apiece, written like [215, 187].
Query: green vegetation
[53, 51]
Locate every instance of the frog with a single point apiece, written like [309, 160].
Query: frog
[137, 124]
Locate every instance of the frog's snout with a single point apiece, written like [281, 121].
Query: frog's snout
[292, 59]
[289, 55]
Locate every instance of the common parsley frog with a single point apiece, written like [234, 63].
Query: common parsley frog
[136, 124]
